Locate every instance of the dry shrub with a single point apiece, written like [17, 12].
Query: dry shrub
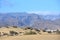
[12, 33]
[30, 33]
[57, 32]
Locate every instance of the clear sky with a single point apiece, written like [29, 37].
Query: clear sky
[29, 5]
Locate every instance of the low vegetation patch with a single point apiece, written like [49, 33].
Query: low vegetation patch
[37, 30]
[58, 32]
[14, 26]
[30, 33]
[28, 28]
[49, 32]
[44, 30]
[12, 33]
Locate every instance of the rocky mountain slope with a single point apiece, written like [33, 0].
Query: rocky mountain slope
[24, 19]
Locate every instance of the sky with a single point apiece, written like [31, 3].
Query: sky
[30, 6]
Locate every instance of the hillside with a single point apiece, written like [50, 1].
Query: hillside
[24, 19]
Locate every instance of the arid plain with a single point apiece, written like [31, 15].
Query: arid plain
[41, 36]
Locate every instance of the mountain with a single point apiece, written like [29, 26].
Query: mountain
[24, 19]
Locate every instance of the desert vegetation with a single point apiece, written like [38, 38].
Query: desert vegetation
[14, 26]
[57, 32]
[30, 33]
[26, 32]
[26, 28]
[12, 33]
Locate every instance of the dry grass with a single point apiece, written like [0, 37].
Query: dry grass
[43, 36]
[32, 37]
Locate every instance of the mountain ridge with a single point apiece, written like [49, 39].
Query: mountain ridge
[33, 20]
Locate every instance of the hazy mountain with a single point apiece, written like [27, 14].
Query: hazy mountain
[32, 20]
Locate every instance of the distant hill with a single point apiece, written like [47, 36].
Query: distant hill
[24, 19]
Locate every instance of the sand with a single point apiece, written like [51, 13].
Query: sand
[31, 37]
[43, 36]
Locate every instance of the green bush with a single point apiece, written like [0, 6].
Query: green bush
[30, 33]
